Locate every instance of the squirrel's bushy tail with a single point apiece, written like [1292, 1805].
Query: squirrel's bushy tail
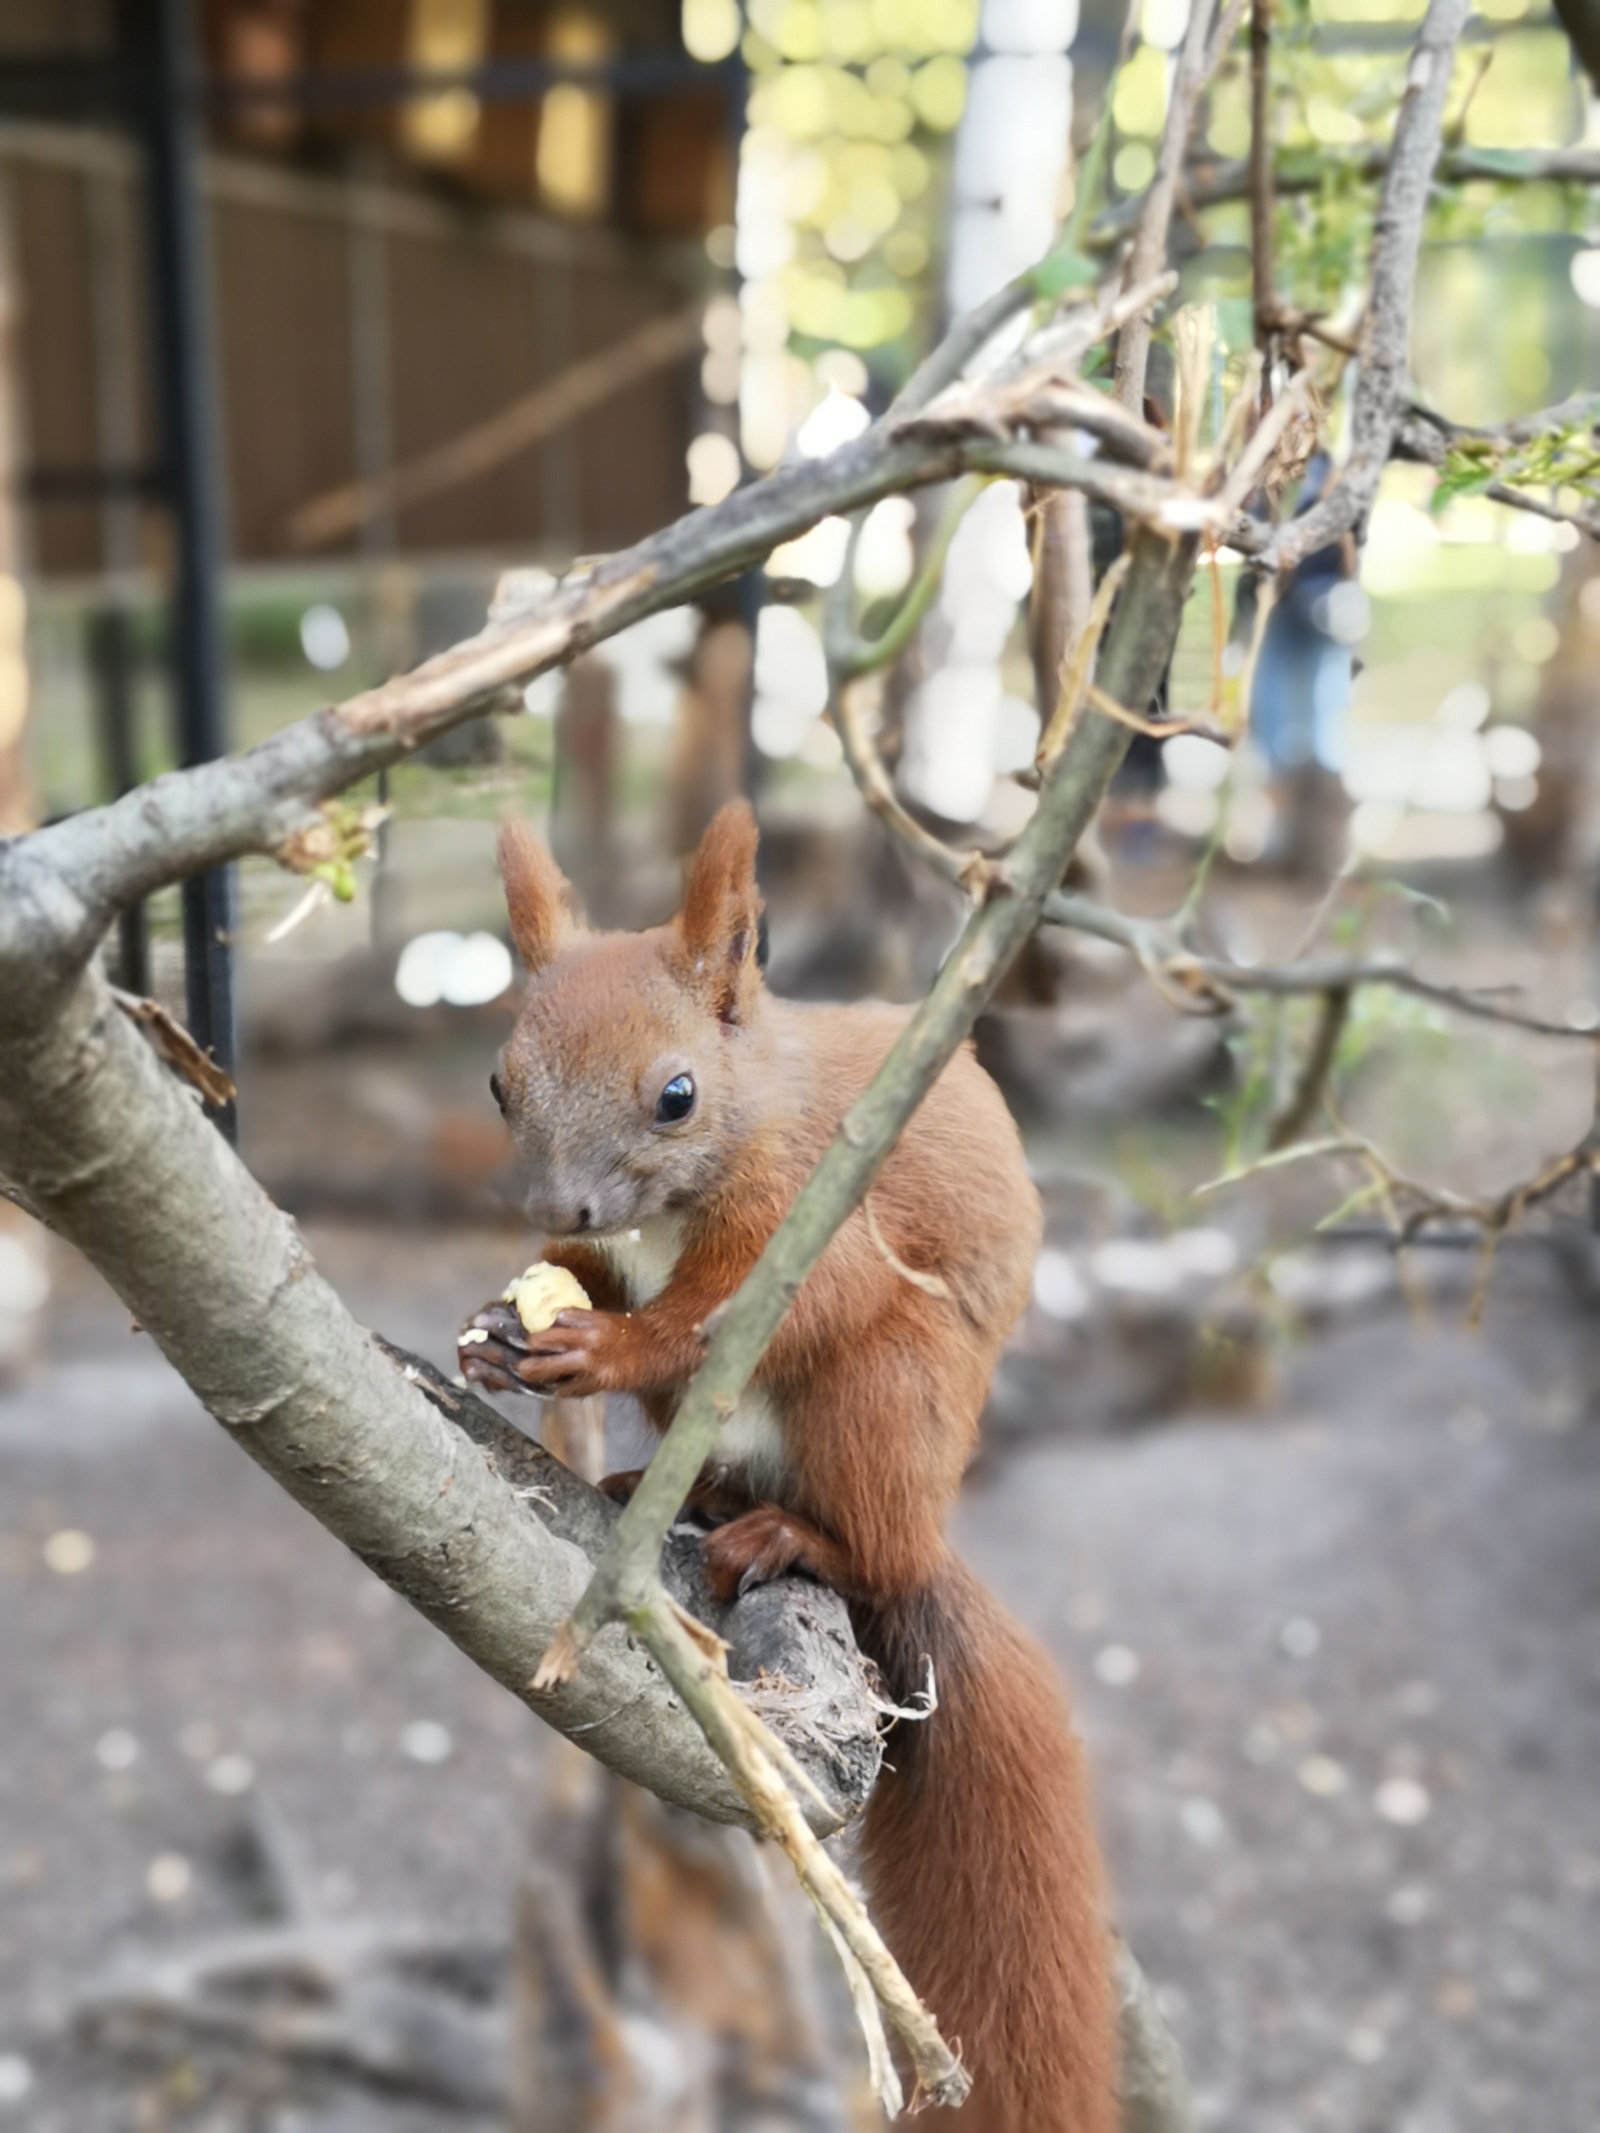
[982, 1866]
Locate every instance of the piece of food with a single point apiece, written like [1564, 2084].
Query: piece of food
[542, 1292]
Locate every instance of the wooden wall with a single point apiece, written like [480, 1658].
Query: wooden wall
[434, 311]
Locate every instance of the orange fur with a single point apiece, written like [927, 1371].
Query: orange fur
[721, 912]
[979, 1844]
[542, 908]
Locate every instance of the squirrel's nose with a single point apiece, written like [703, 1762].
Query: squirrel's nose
[557, 1213]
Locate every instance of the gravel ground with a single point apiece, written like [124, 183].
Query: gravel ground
[1339, 1665]
[1338, 1661]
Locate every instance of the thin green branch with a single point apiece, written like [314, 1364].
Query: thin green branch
[851, 654]
[1135, 654]
[1305, 1098]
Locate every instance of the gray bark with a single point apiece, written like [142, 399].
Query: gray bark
[421, 1481]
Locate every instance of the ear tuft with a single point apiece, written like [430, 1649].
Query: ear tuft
[721, 917]
[539, 898]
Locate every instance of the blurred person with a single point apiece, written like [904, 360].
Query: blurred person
[1300, 694]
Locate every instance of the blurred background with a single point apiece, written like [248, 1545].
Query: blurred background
[317, 318]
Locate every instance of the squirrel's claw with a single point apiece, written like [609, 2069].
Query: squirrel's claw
[752, 1550]
[620, 1486]
[491, 1367]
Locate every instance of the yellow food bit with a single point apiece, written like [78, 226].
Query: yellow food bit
[542, 1292]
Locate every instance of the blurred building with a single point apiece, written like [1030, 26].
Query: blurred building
[455, 251]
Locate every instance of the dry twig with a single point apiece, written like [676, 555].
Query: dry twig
[1210, 982]
[1210, 183]
[1305, 1099]
[1263, 280]
[695, 1663]
[1385, 339]
[1149, 250]
[1410, 1206]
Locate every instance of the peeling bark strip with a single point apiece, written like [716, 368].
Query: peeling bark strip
[177, 1047]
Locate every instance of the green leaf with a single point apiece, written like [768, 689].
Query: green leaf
[1461, 480]
[1425, 906]
[340, 877]
[1507, 160]
[1363, 1196]
[1060, 271]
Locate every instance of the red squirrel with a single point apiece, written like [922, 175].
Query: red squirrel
[667, 1109]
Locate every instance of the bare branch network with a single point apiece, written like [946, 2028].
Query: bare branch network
[100, 1140]
[518, 1562]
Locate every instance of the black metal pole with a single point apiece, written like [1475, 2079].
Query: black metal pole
[167, 57]
[113, 669]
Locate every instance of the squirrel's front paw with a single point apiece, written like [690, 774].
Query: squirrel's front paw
[568, 1358]
[489, 1347]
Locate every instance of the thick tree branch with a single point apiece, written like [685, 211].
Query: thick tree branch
[265, 800]
[484, 1534]
[1155, 2094]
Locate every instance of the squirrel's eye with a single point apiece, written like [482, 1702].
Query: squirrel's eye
[497, 1092]
[676, 1100]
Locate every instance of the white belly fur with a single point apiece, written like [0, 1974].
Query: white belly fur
[750, 1442]
[645, 1257]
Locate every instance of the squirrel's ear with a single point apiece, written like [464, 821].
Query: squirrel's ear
[539, 898]
[721, 918]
